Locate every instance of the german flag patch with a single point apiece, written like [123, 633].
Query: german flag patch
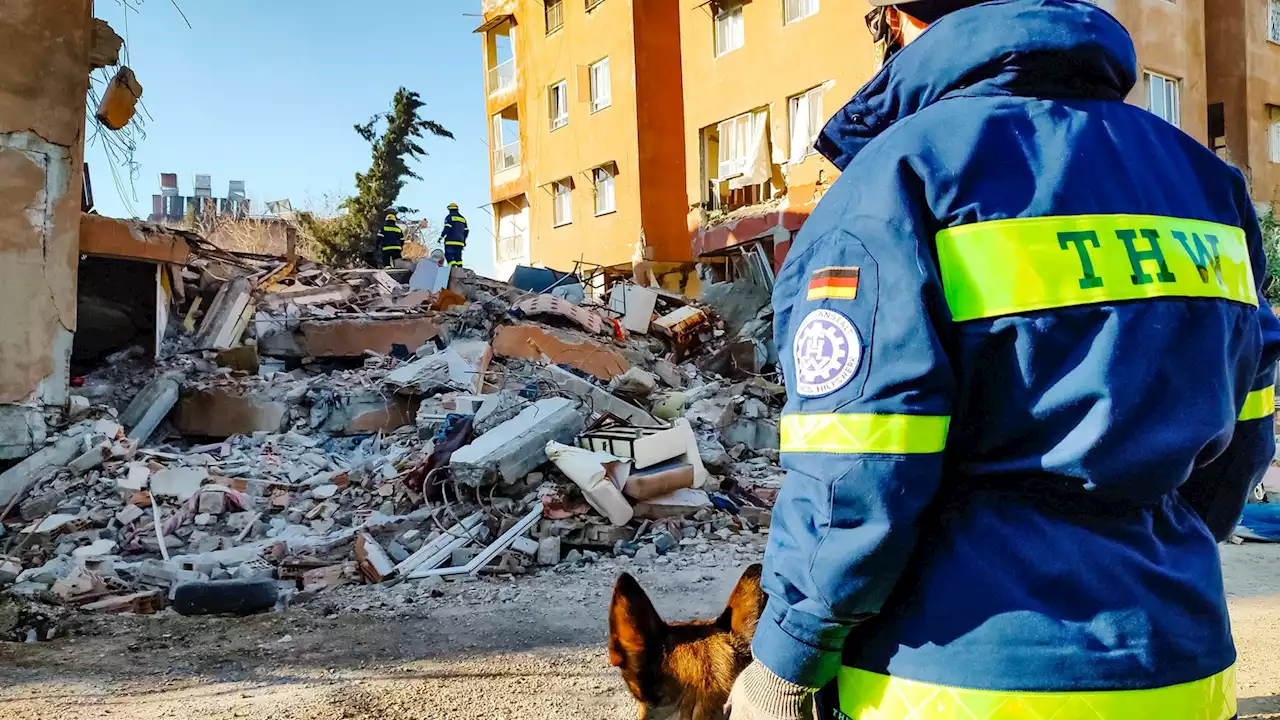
[834, 283]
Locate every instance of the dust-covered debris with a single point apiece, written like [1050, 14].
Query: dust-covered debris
[308, 431]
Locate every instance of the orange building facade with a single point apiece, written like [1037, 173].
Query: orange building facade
[716, 104]
[1244, 90]
[585, 130]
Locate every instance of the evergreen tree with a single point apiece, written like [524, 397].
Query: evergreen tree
[346, 239]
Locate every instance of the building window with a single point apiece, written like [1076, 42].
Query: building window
[591, 4]
[728, 27]
[555, 15]
[1163, 98]
[1273, 131]
[558, 100]
[793, 10]
[739, 143]
[806, 121]
[1273, 21]
[603, 178]
[601, 90]
[563, 208]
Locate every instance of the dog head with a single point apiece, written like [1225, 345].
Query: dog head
[683, 670]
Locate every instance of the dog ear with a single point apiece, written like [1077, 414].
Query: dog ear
[634, 625]
[746, 603]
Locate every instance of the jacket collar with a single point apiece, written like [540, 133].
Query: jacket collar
[1031, 48]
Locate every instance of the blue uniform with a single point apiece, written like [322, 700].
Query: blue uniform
[454, 235]
[1029, 386]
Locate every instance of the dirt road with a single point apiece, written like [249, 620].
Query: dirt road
[531, 649]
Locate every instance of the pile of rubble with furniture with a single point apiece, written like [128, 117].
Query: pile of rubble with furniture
[308, 428]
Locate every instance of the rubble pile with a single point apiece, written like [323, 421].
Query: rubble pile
[312, 428]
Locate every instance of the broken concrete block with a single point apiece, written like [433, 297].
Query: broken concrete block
[97, 548]
[178, 482]
[375, 565]
[128, 514]
[149, 407]
[668, 373]
[462, 366]
[90, 459]
[213, 503]
[350, 337]
[549, 550]
[136, 477]
[147, 602]
[755, 434]
[243, 358]
[598, 399]
[203, 520]
[518, 446]
[635, 383]
[525, 546]
[223, 412]
[718, 412]
[364, 412]
[533, 342]
[324, 492]
[232, 303]
[15, 479]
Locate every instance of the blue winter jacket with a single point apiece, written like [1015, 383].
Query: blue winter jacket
[1029, 377]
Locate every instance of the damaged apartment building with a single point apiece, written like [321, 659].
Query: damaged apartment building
[598, 107]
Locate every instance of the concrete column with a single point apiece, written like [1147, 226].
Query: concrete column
[44, 69]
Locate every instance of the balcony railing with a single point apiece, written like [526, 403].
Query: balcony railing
[506, 157]
[502, 76]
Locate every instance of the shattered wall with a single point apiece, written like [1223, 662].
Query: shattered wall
[44, 66]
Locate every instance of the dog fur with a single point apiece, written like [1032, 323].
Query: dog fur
[682, 670]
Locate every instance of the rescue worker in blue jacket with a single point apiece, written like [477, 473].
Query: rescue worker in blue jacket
[454, 235]
[1030, 384]
[390, 240]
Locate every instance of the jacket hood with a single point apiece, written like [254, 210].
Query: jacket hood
[1031, 48]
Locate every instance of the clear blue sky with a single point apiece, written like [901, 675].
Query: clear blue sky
[267, 91]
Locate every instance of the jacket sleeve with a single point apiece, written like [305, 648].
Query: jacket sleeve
[444, 230]
[858, 314]
[466, 231]
[1218, 491]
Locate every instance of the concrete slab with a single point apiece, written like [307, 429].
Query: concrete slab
[350, 337]
[534, 342]
[515, 448]
[221, 412]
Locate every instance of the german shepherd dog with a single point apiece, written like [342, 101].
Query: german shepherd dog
[682, 670]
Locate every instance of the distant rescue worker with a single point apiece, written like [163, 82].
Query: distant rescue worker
[454, 235]
[390, 240]
[1030, 383]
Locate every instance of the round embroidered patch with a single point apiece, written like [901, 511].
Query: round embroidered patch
[827, 351]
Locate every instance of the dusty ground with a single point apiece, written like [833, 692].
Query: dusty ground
[531, 649]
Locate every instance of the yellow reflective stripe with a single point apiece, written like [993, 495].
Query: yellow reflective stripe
[1004, 267]
[1259, 404]
[392, 247]
[390, 228]
[871, 696]
[850, 433]
[458, 219]
[455, 242]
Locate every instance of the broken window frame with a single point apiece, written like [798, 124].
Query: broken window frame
[562, 202]
[1168, 91]
[728, 28]
[794, 10]
[558, 104]
[601, 85]
[602, 180]
[592, 4]
[814, 119]
[553, 15]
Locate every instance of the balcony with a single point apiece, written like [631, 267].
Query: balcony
[502, 77]
[506, 157]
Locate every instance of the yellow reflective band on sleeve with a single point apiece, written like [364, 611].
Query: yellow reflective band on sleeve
[392, 247]
[870, 696]
[459, 243]
[458, 219]
[1258, 404]
[850, 433]
[1005, 267]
